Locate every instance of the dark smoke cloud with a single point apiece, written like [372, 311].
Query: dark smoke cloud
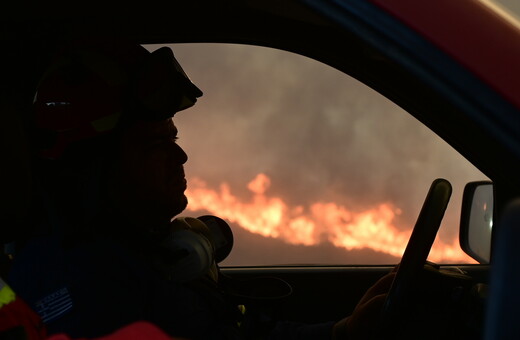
[319, 134]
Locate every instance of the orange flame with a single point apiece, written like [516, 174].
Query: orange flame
[272, 217]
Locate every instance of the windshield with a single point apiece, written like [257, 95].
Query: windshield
[308, 165]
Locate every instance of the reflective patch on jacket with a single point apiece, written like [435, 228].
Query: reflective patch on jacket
[6, 294]
[54, 305]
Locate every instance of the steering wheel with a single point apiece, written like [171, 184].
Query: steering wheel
[415, 254]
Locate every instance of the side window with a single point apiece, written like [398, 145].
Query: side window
[308, 165]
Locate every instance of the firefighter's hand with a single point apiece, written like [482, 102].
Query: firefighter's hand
[365, 318]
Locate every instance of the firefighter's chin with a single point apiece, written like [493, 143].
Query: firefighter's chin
[179, 205]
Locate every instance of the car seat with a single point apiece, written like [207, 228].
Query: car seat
[504, 294]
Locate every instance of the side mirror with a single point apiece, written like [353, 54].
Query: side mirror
[476, 221]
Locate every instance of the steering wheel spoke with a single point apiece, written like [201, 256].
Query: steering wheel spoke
[415, 255]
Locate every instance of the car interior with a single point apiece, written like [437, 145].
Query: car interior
[372, 48]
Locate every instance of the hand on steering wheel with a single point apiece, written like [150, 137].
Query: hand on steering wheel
[391, 294]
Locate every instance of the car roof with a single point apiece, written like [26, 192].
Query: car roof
[480, 36]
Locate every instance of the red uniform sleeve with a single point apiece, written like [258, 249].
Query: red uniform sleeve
[136, 331]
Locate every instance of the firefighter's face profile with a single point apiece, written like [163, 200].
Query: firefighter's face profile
[149, 181]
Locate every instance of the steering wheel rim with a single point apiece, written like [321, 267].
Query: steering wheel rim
[415, 254]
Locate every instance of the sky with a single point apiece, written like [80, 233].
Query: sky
[307, 164]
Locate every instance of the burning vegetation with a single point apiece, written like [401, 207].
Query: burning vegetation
[373, 228]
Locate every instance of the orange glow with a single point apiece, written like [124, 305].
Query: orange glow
[271, 217]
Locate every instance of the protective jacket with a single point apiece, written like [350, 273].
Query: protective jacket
[94, 286]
